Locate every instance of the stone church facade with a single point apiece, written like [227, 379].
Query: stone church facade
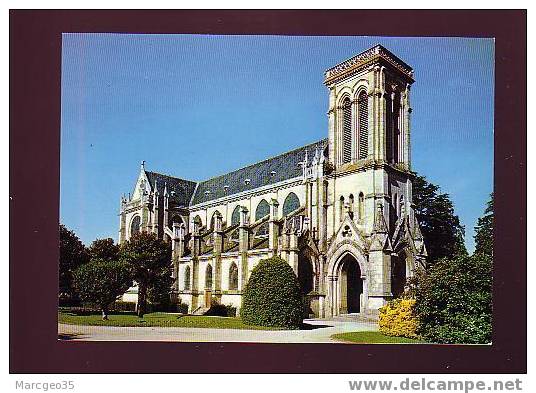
[339, 210]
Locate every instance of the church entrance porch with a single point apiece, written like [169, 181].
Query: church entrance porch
[350, 286]
[347, 292]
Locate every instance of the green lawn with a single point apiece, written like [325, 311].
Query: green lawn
[373, 338]
[155, 319]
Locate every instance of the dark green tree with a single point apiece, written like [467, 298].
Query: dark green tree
[453, 297]
[441, 228]
[101, 282]
[158, 294]
[73, 254]
[453, 300]
[272, 296]
[149, 258]
[484, 231]
[104, 249]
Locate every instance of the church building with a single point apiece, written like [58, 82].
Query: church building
[338, 210]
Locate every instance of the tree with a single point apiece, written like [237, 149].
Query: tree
[158, 293]
[441, 228]
[101, 282]
[104, 249]
[149, 258]
[72, 255]
[453, 300]
[453, 297]
[272, 296]
[484, 231]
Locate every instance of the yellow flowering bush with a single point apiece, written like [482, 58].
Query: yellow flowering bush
[397, 318]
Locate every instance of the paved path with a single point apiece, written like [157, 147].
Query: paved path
[320, 332]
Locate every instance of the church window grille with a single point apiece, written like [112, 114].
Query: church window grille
[362, 103]
[346, 131]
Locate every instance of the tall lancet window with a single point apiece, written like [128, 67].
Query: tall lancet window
[396, 128]
[392, 128]
[362, 110]
[187, 278]
[389, 129]
[346, 130]
[361, 206]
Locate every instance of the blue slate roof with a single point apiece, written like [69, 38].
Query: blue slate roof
[180, 190]
[270, 171]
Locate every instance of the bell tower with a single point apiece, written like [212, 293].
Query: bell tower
[370, 179]
[369, 110]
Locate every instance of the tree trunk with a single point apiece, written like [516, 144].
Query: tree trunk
[142, 299]
[105, 313]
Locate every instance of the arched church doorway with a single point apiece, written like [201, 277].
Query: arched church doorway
[398, 275]
[306, 279]
[351, 286]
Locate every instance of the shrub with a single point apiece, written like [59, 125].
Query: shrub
[182, 308]
[272, 296]
[397, 318]
[221, 310]
[453, 300]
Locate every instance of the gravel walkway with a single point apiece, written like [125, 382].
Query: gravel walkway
[319, 332]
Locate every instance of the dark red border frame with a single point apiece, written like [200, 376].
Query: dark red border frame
[35, 61]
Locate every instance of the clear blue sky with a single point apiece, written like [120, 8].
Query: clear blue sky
[195, 106]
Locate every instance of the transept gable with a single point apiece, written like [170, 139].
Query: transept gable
[142, 185]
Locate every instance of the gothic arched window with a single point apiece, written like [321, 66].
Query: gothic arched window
[213, 219]
[346, 130]
[362, 110]
[176, 219]
[198, 223]
[361, 206]
[233, 277]
[208, 277]
[135, 225]
[263, 209]
[341, 208]
[187, 278]
[235, 217]
[351, 204]
[389, 128]
[291, 203]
